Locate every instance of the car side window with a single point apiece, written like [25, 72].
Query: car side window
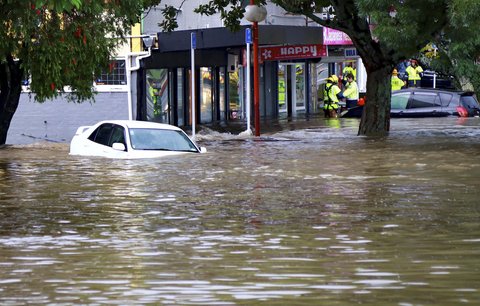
[420, 100]
[102, 134]
[400, 100]
[445, 98]
[118, 135]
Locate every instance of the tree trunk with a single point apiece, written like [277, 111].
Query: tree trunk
[11, 75]
[376, 112]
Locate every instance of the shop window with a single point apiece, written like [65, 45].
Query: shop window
[180, 97]
[157, 95]
[299, 98]
[206, 95]
[282, 89]
[222, 93]
[234, 94]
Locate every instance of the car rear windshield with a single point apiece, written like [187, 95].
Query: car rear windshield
[469, 101]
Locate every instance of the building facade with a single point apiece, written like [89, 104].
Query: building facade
[296, 56]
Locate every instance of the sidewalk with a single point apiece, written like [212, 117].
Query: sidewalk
[270, 126]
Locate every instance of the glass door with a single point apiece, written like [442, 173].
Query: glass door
[298, 82]
[157, 95]
[291, 88]
[206, 95]
[180, 97]
[282, 88]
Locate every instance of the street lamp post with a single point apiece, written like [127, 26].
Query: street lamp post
[255, 14]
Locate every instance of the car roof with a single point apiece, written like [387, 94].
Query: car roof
[141, 124]
[421, 89]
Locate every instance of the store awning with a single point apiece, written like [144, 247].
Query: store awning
[223, 38]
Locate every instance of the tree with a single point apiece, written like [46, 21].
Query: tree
[458, 49]
[384, 32]
[58, 43]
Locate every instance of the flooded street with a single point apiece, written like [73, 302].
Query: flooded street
[311, 216]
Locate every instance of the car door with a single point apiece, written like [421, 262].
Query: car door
[399, 103]
[424, 104]
[449, 103]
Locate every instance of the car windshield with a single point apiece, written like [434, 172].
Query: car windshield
[159, 139]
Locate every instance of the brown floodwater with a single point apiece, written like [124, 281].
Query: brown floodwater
[310, 216]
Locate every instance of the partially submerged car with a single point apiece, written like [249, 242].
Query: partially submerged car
[427, 102]
[131, 139]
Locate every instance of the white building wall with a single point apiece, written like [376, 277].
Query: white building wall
[187, 19]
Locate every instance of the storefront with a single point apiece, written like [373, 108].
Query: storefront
[291, 61]
[293, 77]
[342, 57]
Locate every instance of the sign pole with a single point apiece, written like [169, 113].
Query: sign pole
[193, 41]
[256, 79]
[248, 40]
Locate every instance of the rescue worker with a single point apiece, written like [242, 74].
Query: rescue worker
[348, 69]
[414, 72]
[401, 69]
[396, 82]
[351, 91]
[153, 97]
[331, 100]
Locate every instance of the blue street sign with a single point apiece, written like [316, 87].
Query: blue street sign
[248, 35]
[350, 52]
[193, 39]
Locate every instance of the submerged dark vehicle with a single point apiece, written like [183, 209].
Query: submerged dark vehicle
[427, 102]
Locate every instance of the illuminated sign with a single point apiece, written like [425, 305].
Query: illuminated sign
[333, 37]
[277, 53]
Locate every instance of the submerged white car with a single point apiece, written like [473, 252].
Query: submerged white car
[131, 139]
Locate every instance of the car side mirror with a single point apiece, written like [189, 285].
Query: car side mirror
[118, 146]
[203, 150]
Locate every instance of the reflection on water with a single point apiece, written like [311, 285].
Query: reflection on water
[307, 216]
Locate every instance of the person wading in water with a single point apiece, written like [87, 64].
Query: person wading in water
[331, 100]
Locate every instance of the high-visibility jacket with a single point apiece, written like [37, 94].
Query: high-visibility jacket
[351, 91]
[397, 83]
[330, 96]
[414, 73]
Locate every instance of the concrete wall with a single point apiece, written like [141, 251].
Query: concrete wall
[57, 120]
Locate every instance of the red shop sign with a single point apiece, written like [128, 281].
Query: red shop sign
[292, 52]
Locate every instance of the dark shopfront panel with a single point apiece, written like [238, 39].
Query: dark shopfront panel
[167, 87]
[220, 90]
[167, 98]
[221, 93]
